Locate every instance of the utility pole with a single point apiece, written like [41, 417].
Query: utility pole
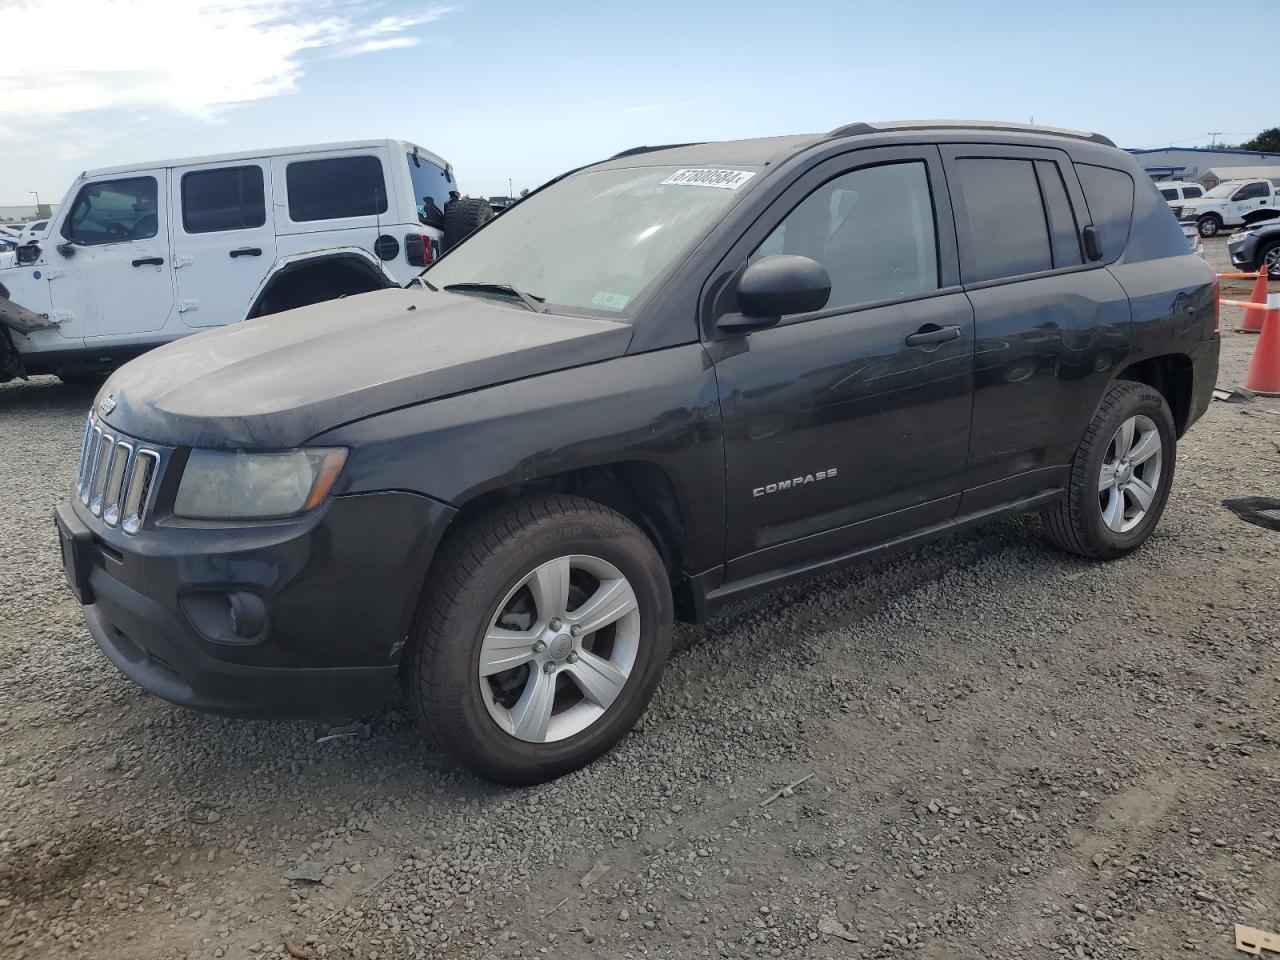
[510, 193]
[1213, 138]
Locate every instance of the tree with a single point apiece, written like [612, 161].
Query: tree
[1268, 141]
[524, 192]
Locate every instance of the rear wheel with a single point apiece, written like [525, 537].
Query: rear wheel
[462, 217]
[542, 640]
[1120, 476]
[1209, 225]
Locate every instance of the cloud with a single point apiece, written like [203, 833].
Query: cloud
[190, 57]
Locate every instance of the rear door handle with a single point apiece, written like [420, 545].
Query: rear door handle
[149, 262]
[246, 252]
[931, 334]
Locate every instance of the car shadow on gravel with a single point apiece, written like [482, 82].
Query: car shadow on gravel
[45, 395]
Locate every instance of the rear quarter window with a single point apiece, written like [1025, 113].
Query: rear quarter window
[335, 188]
[1109, 194]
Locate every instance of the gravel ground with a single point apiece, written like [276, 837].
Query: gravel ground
[1008, 751]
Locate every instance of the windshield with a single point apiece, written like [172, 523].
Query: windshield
[596, 240]
[1222, 190]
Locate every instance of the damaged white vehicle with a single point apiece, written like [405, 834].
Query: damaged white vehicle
[140, 255]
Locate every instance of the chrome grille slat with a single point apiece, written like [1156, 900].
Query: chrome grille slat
[116, 478]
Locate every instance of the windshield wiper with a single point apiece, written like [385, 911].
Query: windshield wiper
[530, 300]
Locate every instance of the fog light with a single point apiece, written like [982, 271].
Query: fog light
[246, 614]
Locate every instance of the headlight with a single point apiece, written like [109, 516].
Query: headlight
[1188, 211]
[236, 485]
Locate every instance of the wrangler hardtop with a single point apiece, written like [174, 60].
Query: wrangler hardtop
[656, 384]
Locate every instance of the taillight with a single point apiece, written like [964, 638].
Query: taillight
[1217, 306]
[418, 249]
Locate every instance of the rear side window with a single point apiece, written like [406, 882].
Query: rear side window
[1170, 194]
[112, 211]
[1192, 192]
[431, 186]
[1109, 194]
[1008, 233]
[231, 198]
[335, 188]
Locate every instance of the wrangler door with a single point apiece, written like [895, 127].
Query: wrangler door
[849, 425]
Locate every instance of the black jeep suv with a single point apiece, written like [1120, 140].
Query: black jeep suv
[660, 382]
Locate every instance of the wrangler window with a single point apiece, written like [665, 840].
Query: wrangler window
[232, 198]
[112, 211]
[335, 188]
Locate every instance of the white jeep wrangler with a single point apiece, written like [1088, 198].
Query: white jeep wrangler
[140, 255]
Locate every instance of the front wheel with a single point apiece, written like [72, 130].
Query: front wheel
[1209, 225]
[1120, 476]
[1270, 259]
[542, 640]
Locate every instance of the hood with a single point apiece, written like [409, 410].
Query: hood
[276, 381]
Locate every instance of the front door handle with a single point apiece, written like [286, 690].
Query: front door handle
[931, 334]
[246, 252]
[149, 262]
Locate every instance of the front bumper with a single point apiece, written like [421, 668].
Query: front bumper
[339, 588]
[1243, 252]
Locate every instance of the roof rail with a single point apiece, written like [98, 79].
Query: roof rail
[664, 146]
[857, 129]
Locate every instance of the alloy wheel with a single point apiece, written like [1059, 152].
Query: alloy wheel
[559, 649]
[1130, 475]
[1272, 262]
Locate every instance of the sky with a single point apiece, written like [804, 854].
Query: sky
[521, 91]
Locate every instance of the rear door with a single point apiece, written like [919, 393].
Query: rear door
[223, 239]
[1050, 326]
[849, 425]
[117, 281]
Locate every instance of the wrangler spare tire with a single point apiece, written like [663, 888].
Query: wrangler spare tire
[462, 217]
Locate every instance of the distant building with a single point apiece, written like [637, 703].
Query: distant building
[27, 211]
[1198, 164]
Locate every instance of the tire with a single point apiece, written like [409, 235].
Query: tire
[462, 217]
[1210, 225]
[1090, 521]
[484, 586]
[1269, 256]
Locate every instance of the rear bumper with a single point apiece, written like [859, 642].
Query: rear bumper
[338, 590]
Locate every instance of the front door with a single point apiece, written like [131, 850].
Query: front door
[113, 279]
[223, 241]
[850, 425]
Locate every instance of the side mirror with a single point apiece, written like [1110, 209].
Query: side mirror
[1092, 243]
[774, 287]
[67, 249]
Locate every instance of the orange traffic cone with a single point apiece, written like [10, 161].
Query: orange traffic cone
[1264, 371]
[1252, 322]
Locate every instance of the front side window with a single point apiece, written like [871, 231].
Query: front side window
[1251, 191]
[1170, 194]
[232, 198]
[1192, 192]
[873, 231]
[431, 186]
[1008, 233]
[112, 211]
[595, 241]
[335, 188]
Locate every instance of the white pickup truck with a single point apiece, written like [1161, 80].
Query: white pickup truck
[1230, 204]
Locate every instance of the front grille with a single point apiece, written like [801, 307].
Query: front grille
[117, 476]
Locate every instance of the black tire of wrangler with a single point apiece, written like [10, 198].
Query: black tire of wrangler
[1076, 524]
[475, 569]
[462, 217]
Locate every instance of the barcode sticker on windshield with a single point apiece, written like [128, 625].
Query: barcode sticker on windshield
[610, 301]
[724, 179]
